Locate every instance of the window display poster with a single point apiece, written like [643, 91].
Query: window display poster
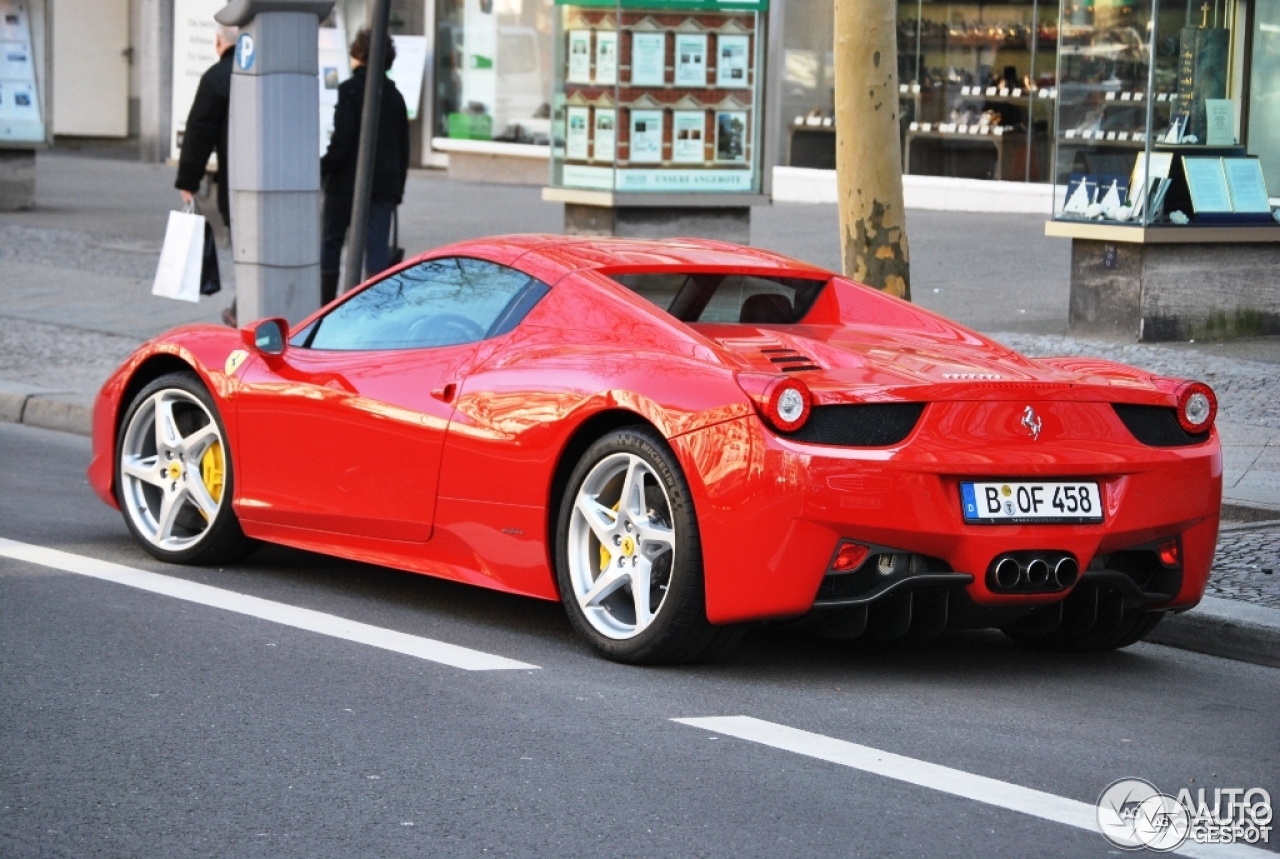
[16, 28]
[575, 135]
[1220, 117]
[606, 57]
[479, 60]
[646, 136]
[606, 134]
[687, 131]
[648, 59]
[579, 57]
[193, 32]
[1208, 184]
[691, 59]
[731, 61]
[16, 60]
[1082, 190]
[1247, 185]
[409, 70]
[334, 69]
[731, 135]
[19, 100]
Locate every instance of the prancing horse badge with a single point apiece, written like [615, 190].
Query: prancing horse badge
[1032, 422]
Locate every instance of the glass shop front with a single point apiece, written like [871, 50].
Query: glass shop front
[979, 82]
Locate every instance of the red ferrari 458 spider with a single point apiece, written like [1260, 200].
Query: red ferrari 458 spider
[674, 438]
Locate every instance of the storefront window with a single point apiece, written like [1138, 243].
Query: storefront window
[1149, 103]
[1264, 91]
[976, 88]
[807, 134]
[493, 70]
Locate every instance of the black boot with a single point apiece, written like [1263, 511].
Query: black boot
[328, 286]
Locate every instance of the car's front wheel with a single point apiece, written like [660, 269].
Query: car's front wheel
[173, 475]
[628, 554]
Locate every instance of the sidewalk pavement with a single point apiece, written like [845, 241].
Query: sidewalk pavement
[75, 277]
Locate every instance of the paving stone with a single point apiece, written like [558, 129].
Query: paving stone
[1247, 566]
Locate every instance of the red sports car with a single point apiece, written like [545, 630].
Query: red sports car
[674, 438]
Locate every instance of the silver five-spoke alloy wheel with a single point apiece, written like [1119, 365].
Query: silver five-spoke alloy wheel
[621, 546]
[172, 470]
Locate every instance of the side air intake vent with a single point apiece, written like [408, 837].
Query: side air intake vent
[789, 360]
[1156, 426]
[866, 425]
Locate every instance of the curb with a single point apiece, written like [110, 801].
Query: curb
[1219, 627]
[1245, 505]
[38, 407]
[1229, 628]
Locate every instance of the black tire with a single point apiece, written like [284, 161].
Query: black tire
[679, 631]
[218, 540]
[1134, 626]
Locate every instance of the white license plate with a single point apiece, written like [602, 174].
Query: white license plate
[1020, 502]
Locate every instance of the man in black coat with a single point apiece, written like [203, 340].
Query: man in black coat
[338, 169]
[206, 132]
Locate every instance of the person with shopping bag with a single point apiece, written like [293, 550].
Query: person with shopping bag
[206, 133]
[338, 169]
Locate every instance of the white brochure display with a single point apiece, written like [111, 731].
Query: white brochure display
[21, 117]
[659, 97]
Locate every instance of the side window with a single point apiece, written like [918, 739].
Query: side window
[442, 302]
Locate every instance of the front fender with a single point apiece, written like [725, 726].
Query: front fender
[202, 349]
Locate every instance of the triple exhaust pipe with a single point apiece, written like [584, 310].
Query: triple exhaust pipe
[1032, 572]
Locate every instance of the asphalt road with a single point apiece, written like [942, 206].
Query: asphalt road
[138, 724]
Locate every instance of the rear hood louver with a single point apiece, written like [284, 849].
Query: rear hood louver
[789, 360]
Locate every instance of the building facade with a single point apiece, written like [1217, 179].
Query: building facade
[978, 81]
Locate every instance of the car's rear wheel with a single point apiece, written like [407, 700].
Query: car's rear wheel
[173, 475]
[1133, 627]
[628, 554]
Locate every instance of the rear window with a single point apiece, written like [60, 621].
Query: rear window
[727, 298]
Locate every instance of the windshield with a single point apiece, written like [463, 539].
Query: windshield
[727, 298]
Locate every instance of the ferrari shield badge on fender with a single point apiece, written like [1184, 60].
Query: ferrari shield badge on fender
[234, 360]
[1032, 422]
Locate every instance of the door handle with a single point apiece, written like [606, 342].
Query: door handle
[445, 394]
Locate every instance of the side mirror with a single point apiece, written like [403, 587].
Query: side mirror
[268, 336]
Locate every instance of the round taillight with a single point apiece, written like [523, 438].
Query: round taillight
[787, 403]
[1197, 407]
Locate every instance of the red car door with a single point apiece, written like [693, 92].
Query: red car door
[346, 441]
[344, 431]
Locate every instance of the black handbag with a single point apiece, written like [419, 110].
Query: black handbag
[210, 279]
[395, 254]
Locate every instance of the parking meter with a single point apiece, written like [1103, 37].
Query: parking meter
[273, 169]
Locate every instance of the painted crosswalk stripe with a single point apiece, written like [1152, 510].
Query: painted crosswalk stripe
[1025, 800]
[275, 612]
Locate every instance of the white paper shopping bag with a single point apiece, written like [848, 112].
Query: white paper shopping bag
[178, 274]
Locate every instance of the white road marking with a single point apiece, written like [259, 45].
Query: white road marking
[1025, 800]
[287, 615]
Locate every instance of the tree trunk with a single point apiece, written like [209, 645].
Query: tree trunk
[873, 231]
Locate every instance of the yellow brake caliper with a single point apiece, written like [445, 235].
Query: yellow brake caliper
[605, 557]
[213, 471]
